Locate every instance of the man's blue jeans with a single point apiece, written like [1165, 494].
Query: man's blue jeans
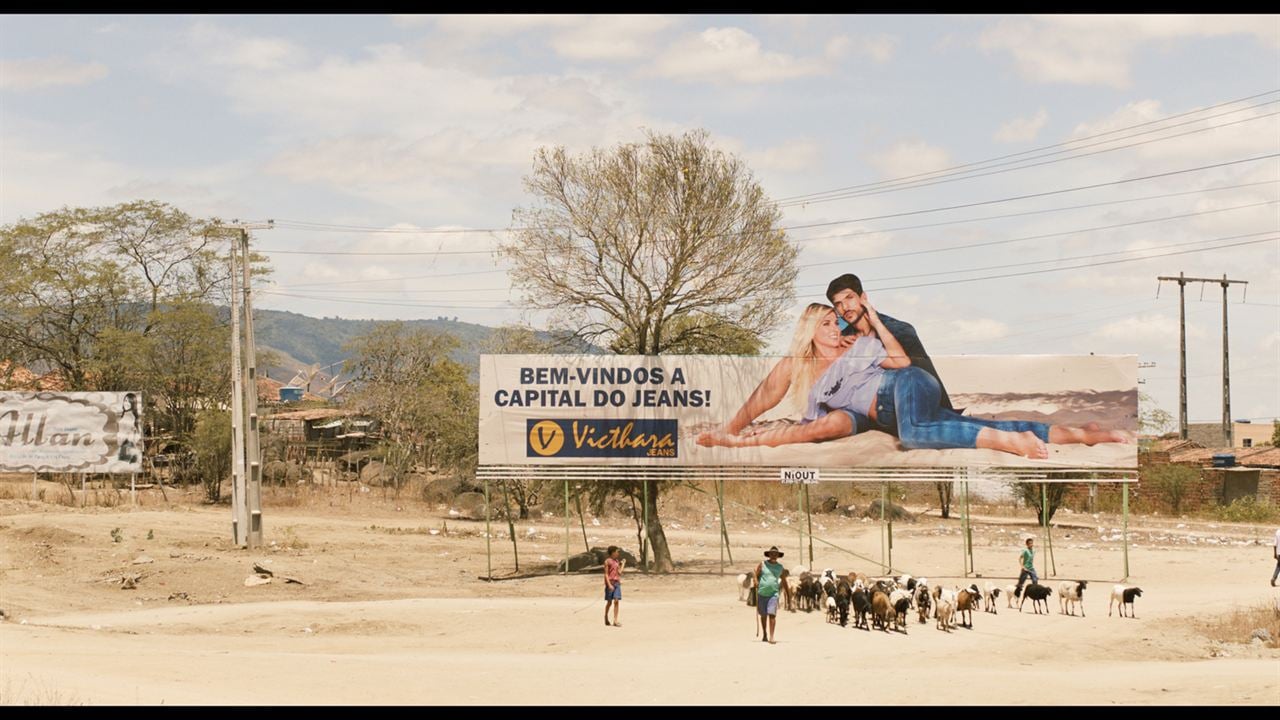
[1022, 577]
[908, 400]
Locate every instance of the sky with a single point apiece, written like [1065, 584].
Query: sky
[1088, 154]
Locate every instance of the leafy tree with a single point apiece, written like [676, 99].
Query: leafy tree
[1151, 418]
[1275, 433]
[1171, 482]
[664, 246]
[1030, 493]
[124, 297]
[211, 443]
[427, 407]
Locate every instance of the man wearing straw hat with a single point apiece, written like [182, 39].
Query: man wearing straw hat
[770, 579]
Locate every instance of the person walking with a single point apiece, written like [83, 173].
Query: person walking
[770, 579]
[1275, 551]
[1028, 569]
[613, 584]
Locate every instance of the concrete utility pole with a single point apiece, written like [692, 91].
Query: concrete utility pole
[1182, 281]
[246, 495]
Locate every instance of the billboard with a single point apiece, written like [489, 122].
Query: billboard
[96, 432]
[1048, 411]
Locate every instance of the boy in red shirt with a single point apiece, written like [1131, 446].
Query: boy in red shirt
[613, 584]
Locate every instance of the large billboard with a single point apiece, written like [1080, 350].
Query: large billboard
[967, 411]
[96, 432]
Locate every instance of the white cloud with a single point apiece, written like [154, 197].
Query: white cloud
[910, 157]
[879, 47]
[36, 73]
[221, 46]
[1098, 49]
[732, 55]
[569, 96]
[492, 25]
[576, 37]
[610, 37]
[977, 330]
[795, 155]
[1022, 129]
[1147, 329]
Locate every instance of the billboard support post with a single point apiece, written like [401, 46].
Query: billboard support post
[644, 536]
[883, 492]
[566, 527]
[488, 549]
[1124, 502]
[724, 530]
[799, 523]
[808, 514]
[966, 529]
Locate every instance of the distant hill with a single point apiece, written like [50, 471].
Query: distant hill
[302, 340]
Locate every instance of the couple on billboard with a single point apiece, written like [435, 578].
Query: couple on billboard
[875, 375]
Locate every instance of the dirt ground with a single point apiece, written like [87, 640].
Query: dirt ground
[391, 609]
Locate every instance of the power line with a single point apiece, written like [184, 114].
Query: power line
[1040, 194]
[1034, 212]
[917, 252]
[969, 175]
[1026, 152]
[1086, 265]
[901, 287]
[917, 212]
[272, 251]
[989, 243]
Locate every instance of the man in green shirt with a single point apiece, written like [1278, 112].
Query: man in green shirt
[1028, 569]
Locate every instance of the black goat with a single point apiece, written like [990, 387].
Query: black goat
[1038, 594]
[861, 606]
[844, 595]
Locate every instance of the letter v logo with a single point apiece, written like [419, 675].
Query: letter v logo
[546, 437]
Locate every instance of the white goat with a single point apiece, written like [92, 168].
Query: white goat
[1124, 595]
[1071, 592]
[991, 592]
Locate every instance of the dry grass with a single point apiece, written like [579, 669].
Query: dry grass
[1238, 625]
[33, 692]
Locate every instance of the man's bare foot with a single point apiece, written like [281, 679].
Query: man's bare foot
[1025, 444]
[1090, 434]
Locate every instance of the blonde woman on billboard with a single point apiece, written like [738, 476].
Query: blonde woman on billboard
[873, 376]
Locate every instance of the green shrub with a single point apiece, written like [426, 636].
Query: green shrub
[1247, 509]
[212, 444]
[1171, 483]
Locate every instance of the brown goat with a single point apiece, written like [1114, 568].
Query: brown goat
[965, 601]
[881, 611]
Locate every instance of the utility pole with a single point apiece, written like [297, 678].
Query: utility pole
[1182, 281]
[246, 495]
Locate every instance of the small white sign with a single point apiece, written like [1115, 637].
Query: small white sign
[808, 476]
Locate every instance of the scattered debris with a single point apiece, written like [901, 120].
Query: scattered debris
[255, 580]
[179, 596]
[259, 569]
[287, 579]
[142, 560]
[129, 582]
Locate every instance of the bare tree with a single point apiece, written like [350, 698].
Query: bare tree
[665, 246]
[648, 247]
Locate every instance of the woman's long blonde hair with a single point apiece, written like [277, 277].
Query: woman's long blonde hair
[804, 355]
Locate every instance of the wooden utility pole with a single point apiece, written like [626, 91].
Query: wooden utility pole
[1182, 281]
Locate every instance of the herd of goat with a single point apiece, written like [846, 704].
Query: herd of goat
[886, 601]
